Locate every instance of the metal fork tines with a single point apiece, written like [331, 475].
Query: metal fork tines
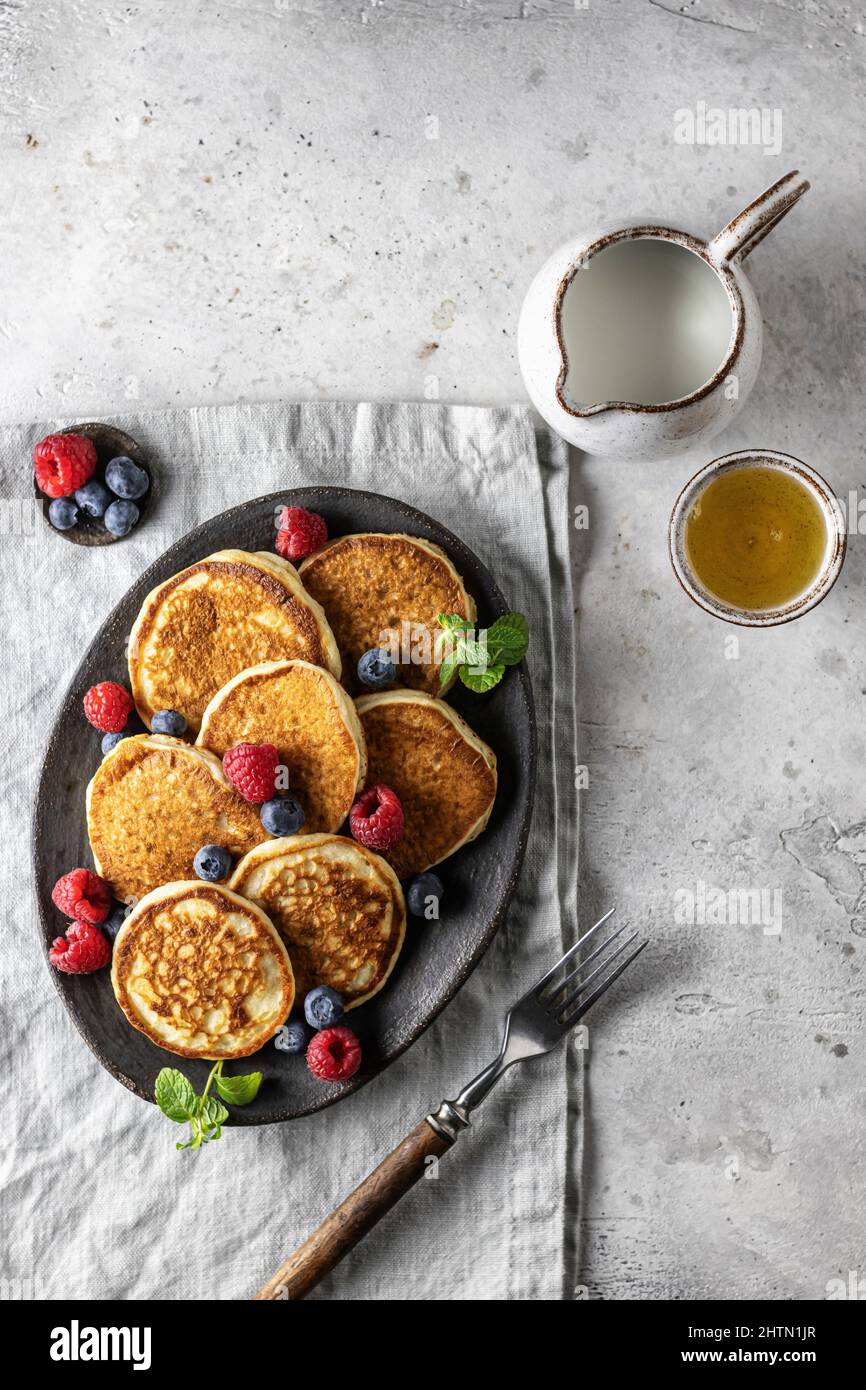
[548, 994]
[554, 1004]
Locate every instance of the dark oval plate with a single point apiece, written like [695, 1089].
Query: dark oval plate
[480, 879]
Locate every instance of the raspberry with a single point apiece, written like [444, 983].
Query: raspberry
[252, 770]
[82, 895]
[301, 532]
[81, 951]
[108, 706]
[63, 462]
[376, 819]
[334, 1054]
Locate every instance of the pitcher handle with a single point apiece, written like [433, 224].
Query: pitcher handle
[743, 232]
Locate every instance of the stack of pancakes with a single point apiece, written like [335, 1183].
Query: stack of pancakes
[249, 649]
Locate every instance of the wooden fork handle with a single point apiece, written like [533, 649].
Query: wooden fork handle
[340, 1232]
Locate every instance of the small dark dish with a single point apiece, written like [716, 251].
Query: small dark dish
[480, 879]
[110, 443]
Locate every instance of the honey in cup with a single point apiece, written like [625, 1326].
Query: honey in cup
[756, 537]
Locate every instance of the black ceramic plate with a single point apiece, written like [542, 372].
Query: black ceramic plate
[479, 879]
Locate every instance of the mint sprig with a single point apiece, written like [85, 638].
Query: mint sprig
[205, 1114]
[480, 660]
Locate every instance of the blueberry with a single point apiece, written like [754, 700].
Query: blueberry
[115, 920]
[376, 669]
[62, 513]
[126, 479]
[282, 815]
[120, 518]
[212, 863]
[110, 741]
[424, 896]
[93, 497]
[323, 1007]
[168, 721]
[293, 1036]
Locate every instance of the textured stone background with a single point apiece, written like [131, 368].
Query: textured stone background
[211, 202]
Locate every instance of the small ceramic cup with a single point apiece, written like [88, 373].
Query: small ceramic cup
[834, 550]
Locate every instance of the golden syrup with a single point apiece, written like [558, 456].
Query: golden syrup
[756, 537]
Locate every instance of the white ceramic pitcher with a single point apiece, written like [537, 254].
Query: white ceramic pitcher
[641, 341]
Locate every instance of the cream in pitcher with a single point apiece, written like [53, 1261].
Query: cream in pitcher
[646, 321]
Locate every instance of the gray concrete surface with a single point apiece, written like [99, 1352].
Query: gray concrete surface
[246, 201]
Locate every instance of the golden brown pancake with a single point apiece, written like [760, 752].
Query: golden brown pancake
[225, 613]
[444, 775]
[370, 585]
[151, 805]
[202, 972]
[307, 714]
[339, 908]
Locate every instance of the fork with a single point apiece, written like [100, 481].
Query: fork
[533, 1026]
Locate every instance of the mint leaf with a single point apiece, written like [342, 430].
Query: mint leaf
[214, 1112]
[213, 1117]
[239, 1090]
[446, 670]
[453, 622]
[482, 680]
[474, 653]
[174, 1095]
[508, 639]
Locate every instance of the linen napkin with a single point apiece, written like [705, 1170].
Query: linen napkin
[98, 1204]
